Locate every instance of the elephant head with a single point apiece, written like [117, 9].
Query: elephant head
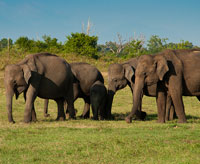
[16, 79]
[150, 70]
[119, 75]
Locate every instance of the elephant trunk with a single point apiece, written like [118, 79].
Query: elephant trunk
[137, 97]
[9, 98]
[109, 101]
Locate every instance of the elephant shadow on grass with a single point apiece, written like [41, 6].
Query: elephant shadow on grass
[149, 117]
[122, 116]
[52, 119]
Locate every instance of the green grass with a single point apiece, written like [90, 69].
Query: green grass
[87, 141]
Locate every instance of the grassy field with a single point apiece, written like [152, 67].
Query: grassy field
[88, 141]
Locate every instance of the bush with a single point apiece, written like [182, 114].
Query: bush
[82, 44]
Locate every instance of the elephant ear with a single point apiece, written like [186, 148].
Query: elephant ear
[75, 80]
[129, 72]
[27, 72]
[161, 67]
[28, 67]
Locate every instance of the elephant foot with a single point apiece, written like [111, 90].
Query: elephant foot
[68, 114]
[128, 120]
[182, 121]
[28, 117]
[12, 122]
[72, 118]
[161, 121]
[111, 117]
[27, 121]
[102, 118]
[60, 119]
[34, 120]
[95, 118]
[46, 115]
[84, 117]
[167, 119]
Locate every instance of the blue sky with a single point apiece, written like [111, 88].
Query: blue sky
[173, 19]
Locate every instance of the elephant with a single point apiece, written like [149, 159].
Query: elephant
[98, 97]
[87, 79]
[119, 76]
[44, 75]
[175, 73]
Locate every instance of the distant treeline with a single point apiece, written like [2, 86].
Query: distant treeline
[85, 45]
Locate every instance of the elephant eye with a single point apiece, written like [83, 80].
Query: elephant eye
[115, 80]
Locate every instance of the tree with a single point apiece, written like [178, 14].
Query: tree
[81, 44]
[51, 44]
[134, 48]
[182, 45]
[4, 43]
[40, 46]
[24, 44]
[118, 46]
[171, 45]
[156, 44]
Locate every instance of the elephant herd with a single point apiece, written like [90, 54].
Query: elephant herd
[167, 75]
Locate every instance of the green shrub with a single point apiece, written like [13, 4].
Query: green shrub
[82, 44]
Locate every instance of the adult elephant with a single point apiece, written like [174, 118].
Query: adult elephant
[44, 75]
[176, 73]
[87, 79]
[119, 76]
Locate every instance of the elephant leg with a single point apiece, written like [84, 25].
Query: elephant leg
[102, 110]
[95, 111]
[176, 94]
[161, 104]
[168, 108]
[30, 98]
[172, 113]
[140, 115]
[75, 96]
[61, 113]
[109, 105]
[46, 102]
[70, 103]
[86, 110]
[66, 108]
[179, 109]
[33, 115]
[70, 106]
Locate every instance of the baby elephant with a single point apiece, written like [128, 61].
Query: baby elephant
[98, 96]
